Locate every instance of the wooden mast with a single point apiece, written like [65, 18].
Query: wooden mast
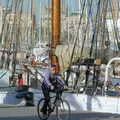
[56, 7]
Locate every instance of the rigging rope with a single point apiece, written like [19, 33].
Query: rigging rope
[17, 36]
[88, 19]
[80, 20]
[95, 29]
[115, 26]
[1, 37]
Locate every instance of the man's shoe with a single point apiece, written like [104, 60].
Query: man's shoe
[44, 110]
[50, 110]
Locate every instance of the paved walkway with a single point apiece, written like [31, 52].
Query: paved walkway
[29, 113]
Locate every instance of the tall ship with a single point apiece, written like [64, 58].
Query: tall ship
[80, 36]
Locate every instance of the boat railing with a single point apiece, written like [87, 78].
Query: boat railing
[106, 71]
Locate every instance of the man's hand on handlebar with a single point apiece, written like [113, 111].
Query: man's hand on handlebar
[65, 87]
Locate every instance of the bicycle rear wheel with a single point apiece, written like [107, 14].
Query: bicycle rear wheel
[41, 114]
[63, 110]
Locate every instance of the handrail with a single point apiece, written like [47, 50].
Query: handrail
[106, 71]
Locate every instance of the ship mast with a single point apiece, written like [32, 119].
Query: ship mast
[56, 7]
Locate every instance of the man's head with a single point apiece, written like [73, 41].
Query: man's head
[19, 75]
[53, 68]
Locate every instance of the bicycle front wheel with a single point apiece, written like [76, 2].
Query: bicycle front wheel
[41, 114]
[62, 110]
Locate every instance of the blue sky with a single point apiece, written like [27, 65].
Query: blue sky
[72, 3]
[26, 3]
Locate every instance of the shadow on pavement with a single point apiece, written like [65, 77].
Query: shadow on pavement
[75, 116]
[94, 116]
[19, 118]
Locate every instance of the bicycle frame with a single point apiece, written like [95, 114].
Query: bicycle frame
[54, 105]
[57, 98]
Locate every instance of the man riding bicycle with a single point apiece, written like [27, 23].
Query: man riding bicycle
[52, 81]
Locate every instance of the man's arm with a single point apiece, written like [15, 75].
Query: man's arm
[46, 75]
[60, 80]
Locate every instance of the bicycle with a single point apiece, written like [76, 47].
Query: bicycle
[57, 104]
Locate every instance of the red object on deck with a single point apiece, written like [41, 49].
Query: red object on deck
[20, 81]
